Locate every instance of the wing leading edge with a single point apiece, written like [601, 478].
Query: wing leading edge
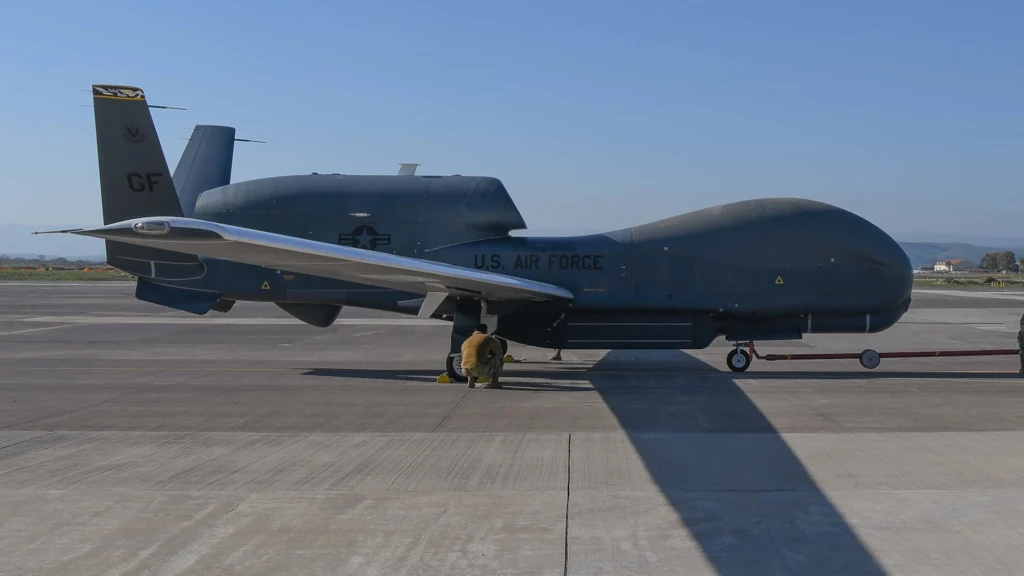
[225, 242]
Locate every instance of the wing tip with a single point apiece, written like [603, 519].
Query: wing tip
[68, 231]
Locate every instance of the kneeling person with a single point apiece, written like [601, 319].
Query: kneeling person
[482, 356]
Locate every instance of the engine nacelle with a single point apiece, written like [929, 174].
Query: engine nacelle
[319, 315]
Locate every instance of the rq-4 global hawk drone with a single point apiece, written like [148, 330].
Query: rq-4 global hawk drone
[439, 247]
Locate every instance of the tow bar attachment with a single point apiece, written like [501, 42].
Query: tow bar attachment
[739, 359]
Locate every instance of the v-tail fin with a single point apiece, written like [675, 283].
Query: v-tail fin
[205, 164]
[135, 181]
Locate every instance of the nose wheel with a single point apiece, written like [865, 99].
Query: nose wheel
[738, 360]
[870, 359]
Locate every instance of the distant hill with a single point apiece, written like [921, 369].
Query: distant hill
[928, 253]
[953, 238]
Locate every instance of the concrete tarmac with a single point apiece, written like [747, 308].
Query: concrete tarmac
[134, 440]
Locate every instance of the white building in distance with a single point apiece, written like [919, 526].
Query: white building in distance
[958, 265]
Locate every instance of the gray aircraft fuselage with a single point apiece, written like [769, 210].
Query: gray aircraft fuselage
[752, 270]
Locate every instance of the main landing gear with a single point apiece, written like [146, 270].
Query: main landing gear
[453, 365]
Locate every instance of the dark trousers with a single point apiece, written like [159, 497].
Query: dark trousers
[1020, 348]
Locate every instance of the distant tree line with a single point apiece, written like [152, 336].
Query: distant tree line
[1005, 261]
[43, 261]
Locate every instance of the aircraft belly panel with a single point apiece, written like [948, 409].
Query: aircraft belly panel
[638, 330]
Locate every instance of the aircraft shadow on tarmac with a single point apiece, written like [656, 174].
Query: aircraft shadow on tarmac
[370, 374]
[733, 481]
[431, 376]
[743, 494]
[562, 371]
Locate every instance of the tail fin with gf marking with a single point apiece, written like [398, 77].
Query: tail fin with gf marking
[135, 181]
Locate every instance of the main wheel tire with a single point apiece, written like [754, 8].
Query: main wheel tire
[870, 359]
[453, 366]
[738, 360]
[504, 345]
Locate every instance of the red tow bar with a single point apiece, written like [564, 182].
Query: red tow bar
[870, 358]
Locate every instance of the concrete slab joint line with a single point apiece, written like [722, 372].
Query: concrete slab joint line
[461, 398]
[568, 483]
[28, 439]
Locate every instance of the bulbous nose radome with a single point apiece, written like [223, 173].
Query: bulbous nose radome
[892, 268]
[897, 266]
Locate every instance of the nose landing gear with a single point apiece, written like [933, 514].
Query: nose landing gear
[738, 359]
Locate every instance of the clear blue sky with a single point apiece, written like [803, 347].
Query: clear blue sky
[596, 115]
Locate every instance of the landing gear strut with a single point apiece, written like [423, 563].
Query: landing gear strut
[467, 316]
[469, 313]
[739, 359]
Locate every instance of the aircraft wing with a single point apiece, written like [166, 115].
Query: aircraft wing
[225, 242]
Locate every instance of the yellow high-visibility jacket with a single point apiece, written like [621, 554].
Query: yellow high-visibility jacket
[476, 348]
